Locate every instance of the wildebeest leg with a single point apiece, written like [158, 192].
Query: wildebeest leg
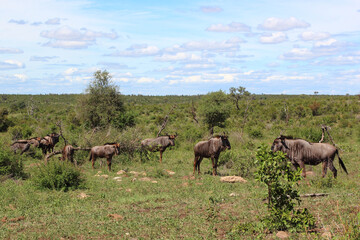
[196, 159]
[27, 146]
[214, 165]
[109, 163]
[302, 165]
[332, 167]
[161, 152]
[198, 165]
[93, 161]
[324, 168]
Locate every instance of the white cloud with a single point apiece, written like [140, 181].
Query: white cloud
[10, 50]
[69, 38]
[298, 54]
[11, 64]
[70, 71]
[53, 21]
[203, 78]
[232, 27]
[286, 78]
[278, 24]
[147, 80]
[181, 56]
[199, 66]
[21, 77]
[276, 37]
[230, 45]
[314, 36]
[326, 43]
[137, 50]
[41, 59]
[211, 9]
[20, 22]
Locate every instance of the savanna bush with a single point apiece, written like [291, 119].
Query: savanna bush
[11, 165]
[58, 175]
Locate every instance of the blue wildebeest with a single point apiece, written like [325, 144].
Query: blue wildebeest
[210, 149]
[301, 152]
[158, 144]
[107, 151]
[24, 145]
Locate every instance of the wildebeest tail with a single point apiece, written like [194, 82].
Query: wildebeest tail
[341, 162]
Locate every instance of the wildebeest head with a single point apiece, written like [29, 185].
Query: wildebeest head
[172, 139]
[225, 142]
[279, 144]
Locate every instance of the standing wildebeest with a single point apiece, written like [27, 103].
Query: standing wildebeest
[106, 151]
[301, 152]
[210, 149]
[53, 139]
[22, 145]
[158, 144]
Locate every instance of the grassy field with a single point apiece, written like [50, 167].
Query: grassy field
[149, 200]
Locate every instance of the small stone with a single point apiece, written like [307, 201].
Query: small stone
[170, 172]
[145, 179]
[154, 181]
[282, 234]
[120, 172]
[105, 176]
[234, 194]
[232, 179]
[117, 178]
[83, 195]
[326, 235]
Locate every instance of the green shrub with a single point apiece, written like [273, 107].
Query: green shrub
[10, 165]
[275, 171]
[58, 175]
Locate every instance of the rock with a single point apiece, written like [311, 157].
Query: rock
[116, 216]
[234, 194]
[232, 179]
[82, 195]
[185, 184]
[326, 235]
[117, 178]
[120, 172]
[128, 190]
[154, 181]
[145, 179]
[282, 234]
[170, 172]
[105, 176]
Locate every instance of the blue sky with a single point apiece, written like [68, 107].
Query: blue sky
[181, 47]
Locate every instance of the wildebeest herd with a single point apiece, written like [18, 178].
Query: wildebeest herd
[298, 151]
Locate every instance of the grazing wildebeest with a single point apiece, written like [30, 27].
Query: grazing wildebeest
[68, 153]
[210, 149]
[106, 151]
[158, 144]
[301, 152]
[22, 145]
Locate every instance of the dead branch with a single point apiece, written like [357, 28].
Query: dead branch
[163, 125]
[193, 112]
[315, 195]
[61, 133]
[50, 155]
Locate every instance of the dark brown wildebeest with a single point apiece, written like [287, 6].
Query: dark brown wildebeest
[158, 144]
[106, 151]
[301, 152]
[210, 149]
[22, 145]
[52, 139]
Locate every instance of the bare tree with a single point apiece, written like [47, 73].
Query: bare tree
[166, 119]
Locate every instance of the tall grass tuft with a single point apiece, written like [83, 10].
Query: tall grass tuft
[58, 175]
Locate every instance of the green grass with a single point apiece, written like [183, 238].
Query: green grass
[178, 206]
